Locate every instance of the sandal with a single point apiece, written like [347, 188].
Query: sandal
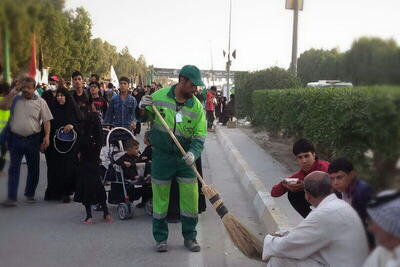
[88, 221]
[108, 218]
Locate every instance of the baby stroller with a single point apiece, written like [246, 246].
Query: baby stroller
[121, 192]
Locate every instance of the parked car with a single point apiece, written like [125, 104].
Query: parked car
[329, 84]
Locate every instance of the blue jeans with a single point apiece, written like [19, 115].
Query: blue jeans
[20, 146]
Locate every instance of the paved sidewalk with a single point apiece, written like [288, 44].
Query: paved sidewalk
[262, 165]
[52, 234]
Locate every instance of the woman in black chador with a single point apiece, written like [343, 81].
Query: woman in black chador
[89, 189]
[62, 159]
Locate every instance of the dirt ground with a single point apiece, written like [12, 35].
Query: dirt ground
[280, 148]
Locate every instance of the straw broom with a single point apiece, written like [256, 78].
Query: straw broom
[245, 241]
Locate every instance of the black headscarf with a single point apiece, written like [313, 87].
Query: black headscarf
[64, 114]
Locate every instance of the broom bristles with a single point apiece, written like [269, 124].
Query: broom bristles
[245, 241]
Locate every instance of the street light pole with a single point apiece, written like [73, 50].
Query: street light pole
[228, 64]
[293, 65]
[212, 65]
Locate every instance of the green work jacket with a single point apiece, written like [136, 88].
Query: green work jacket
[191, 131]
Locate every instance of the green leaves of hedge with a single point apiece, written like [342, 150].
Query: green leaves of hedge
[340, 122]
[247, 82]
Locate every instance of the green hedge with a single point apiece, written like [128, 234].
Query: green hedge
[340, 122]
[247, 82]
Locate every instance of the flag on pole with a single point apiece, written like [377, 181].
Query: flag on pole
[234, 54]
[113, 76]
[41, 60]
[6, 57]
[32, 64]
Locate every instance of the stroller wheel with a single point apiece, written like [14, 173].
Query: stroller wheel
[124, 211]
[148, 207]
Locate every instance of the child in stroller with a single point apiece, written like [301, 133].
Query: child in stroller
[129, 159]
[124, 172]
[130, 162]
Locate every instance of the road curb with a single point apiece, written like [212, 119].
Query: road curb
[269, 214]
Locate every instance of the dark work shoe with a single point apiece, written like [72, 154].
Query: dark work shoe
[192, 245]
[162, 246]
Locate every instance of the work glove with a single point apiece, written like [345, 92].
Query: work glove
[147, 100]
[189, 158]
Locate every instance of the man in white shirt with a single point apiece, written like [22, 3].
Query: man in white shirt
[331, 235]
[384, 223]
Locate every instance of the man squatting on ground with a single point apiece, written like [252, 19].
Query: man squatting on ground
[185, 116]
[384, 223]
[331, 235]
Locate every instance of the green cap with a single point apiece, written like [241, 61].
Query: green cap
[192, 73]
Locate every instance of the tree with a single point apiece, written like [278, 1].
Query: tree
[64, 37]
[373, 61]
[125, 64]
[79, 35]
[319, 64]
[52, 38]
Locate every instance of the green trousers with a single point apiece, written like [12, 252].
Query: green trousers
[164, 168]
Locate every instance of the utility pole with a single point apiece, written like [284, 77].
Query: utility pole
[293, 66]
[229, 62]
[212, 65]
[295, 6]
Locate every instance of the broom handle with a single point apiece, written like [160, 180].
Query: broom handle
[177, 143]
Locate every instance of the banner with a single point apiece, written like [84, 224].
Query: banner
[32, 64]
[113, 76]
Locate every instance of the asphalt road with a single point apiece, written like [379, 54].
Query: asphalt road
[52, 234]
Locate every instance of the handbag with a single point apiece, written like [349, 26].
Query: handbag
[63, 141]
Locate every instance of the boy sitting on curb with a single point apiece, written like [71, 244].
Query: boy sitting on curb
[308, 162]
[354, 191]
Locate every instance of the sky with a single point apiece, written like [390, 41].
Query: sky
[173, 33]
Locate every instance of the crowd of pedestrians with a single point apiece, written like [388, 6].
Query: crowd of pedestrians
[344, 218]
[34, 116]
[217, 107]
[66, 121]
